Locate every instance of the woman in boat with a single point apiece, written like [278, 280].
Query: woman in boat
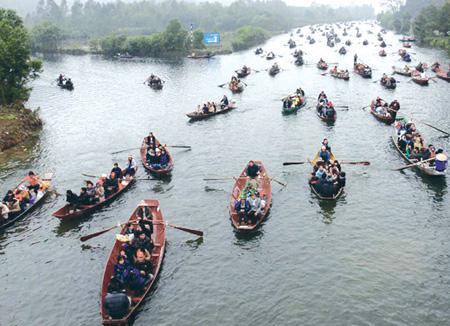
[4, 210]
[117, 170]
[164, 158]
[143, 264]
[255, 207]
[131, 168]
[300, 91]
[242, 207]
[252, 170]
[90, 191]
[111, 185]
[224, 102]
[326, 144]
[99, 192]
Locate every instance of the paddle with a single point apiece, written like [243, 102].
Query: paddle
[173, 146]
[219, 179]
[124, 150]
[341, 162]
[293, 163]
[280, 183]
[444, 132]
[222, 85]
[412, 165]
[341, 106]
[181, 228]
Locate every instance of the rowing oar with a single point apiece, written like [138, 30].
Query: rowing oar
[124, 150]
[173, 146]
[293, 163]
[355, 163]
[412, 165]
[364, 107]
[182, 228]
[448, 134]
[222, 85]
[341, 106]
[219, 179]
[280, 183]
[96, 176]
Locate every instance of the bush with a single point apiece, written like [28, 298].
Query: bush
[247, 37]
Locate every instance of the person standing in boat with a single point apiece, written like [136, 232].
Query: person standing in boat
[150, 141]
[355, 59]
[33, 182]
[131, 168]
[224, 102]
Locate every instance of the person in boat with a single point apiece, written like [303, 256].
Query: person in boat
[326, 144]
[395, 105]
[245, 69]
[151, 157]
[84, 198]
[111, 185]
[150, 141]
[145, 219]
[255, 207]
[117, 303]
[164, 158]
[99, 192]
[242, 207]
[117, 170]
[69, 83]
[334, 70]
[121, 270]
[131, 167]
[252, 170]
[224, 102]
[143, 264]
[300, 91]
[325, 155]
[205, 109]
[61, 79]
[4, 211]
[355, 59]
[33, 182]
[420, 67]
[144, 242]
[322, 96]
[90, 191]
[429, 153]
[22, 194]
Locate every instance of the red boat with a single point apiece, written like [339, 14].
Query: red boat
[157, 256]
[420, 79]
[387, 118]
[69, 212]
[148, 167]
[264, 189]
[440, 73]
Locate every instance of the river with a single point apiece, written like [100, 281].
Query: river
[378, 256]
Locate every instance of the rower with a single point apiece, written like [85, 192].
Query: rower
[150, 141]
[33, 182]
[131, 167]
[252, 170]
[324, 154]
[224, 102]
[117, 170]
[4, 210]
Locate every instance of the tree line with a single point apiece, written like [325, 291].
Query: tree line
[428, 21]
[146, 22]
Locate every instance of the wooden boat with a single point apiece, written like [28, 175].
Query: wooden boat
[365, 42]
[196, 115]
[440, 73]
[363, 70]
[408, 39]
[46, 183]
[236, 87]
[155, 86]
[243, 73]
[299, 61]
[201, 56]
[294, 109]
[419, 79]
[342, 50]
[385, 84]
[348, 42]
[157, 257]
[340, 74]
[67, 212]
[322, 65]
[274, 70]
[387, 119]
[382, 53]
[328, 118]
[314, 189]
[270, 56]
[258, 51]
[402, 71]
[264, 189]
[407, 45]
[148, 167]
[425, 168]
[312, 41]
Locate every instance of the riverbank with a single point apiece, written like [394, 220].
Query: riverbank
[18, 125]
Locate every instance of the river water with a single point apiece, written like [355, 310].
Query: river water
[379, 256]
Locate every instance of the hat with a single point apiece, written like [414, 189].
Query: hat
[104, 175]
[158, 150]
[323, 147]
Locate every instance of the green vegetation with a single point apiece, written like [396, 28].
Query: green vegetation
[45, 37]
[17, 67]
[144, 27]
[430, 23]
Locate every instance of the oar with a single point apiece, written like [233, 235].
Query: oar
[342, 106]
[178, 146]
[182, 228]
[218, 179]
[222, 85]
[279, 182]
[124, 150]
[293, 163]
[364, 107]
[414, 164]
[89, 175]
[448, 134]
[356, 163]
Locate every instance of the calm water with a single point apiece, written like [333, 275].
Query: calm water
[379, 256]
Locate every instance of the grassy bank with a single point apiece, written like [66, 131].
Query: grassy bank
[18, 125]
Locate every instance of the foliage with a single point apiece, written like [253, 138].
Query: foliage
[248, 36]
[197, 39]
[45, 37]
[16, 67]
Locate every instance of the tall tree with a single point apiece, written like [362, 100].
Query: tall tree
[16, 66]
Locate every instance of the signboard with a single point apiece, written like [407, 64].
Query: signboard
[211, 38]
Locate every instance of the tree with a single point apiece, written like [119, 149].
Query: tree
[197, 39]
[16, 67]
[45, 37]
[174, 37]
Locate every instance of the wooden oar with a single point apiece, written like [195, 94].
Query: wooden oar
[178, 146]
[355, 163]
[222, 85]
[341, 106]
[124, 150]
[182, 228]
[414, 164]
[364, 107]
[219, 179]
[281, 183]
[293, 163]
[444, 132]
[89, 175]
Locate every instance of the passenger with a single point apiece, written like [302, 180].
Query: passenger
[61, 79]
[325, 143]
[72, 198]
[143, 242]
[324, 155]
[143, 265]
[150, 141]
[224, 102]
[300, 91]
[255, 207]
[145, 219]
[4, 210]
[111, 185]
[205, 109]
[242, 207]
[99, 192]
[252, 170]
[117, 303]
[84, 198]
[23, 196]
[33, 181]
[429, 153]
[117, 171]
[164, 158]
[90, 190]
[131, 167]
[320, 171]
[121, 271]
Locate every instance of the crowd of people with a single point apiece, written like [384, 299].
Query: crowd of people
[411, 143]
[133, 268]
[22, 197]
[105, 187]
[235, 84]
[325, 107]
[156, 154]
[327, 177]
[212, 107]
[250, 204]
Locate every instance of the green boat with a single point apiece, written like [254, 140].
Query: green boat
[294, 109]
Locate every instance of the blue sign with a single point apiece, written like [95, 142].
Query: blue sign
[211, 38]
